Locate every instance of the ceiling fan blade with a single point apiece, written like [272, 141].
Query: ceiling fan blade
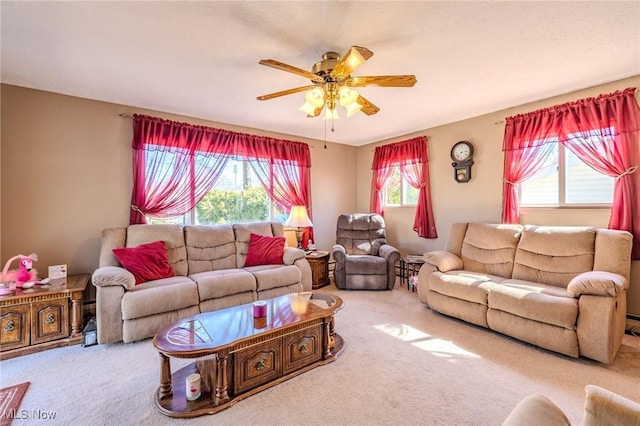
[284, 93]
[383, 81]
[367, 107]
[289, 68]
[351, 60]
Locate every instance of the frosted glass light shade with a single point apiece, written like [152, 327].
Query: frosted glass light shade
[315, 96]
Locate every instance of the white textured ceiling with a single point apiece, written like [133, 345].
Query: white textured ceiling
[200, 59]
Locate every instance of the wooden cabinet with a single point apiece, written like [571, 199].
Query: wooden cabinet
[42, 317]
[302, 348]
[15, 323]
[257, 365]
[319, 262]
[50, 320]
[263, 363]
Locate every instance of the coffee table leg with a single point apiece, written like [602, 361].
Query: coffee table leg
[165, 375]
[222, 381]
[327, 339]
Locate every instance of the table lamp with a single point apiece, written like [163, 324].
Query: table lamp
[298, 219]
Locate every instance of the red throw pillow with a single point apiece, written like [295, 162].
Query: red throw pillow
[146, 262]
[264, 250]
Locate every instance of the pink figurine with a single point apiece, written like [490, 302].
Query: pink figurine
[26, 275]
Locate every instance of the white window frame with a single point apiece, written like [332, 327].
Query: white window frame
[403, 185]
[190, 218]
[562, 204]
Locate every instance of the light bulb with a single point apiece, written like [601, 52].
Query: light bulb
[308, 109]
[331, 113]
[353, 108]
[315, 96]
[347, 96]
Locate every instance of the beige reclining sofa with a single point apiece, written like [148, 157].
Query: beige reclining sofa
[560, 288]
[209, 274]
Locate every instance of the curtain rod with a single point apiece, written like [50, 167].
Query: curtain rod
[125, 115]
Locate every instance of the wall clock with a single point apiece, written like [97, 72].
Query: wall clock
[462, 156]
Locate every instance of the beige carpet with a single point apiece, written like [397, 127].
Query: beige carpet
[403, 365]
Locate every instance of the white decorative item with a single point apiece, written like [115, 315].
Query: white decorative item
[57, 272]
[193, 387]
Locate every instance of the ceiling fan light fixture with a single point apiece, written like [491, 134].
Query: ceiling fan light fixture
[347, 96]
[315, 96]
[331, 112]
[308, 109]
[353, 108]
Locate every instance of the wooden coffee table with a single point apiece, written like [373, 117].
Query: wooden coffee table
[238, 355]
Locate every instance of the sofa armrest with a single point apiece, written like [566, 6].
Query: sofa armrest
[392, 256]
[444, 261]
[390, 253]
[339, 255]
[113, 276]
[596, 283]
[536, 409]
[291, 254]
[603, 407]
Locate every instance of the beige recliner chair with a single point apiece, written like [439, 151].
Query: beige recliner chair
[364, 260]
[601, 407]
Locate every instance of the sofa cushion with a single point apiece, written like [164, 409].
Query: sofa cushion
[544, 303]
[490, 248]
[443, 260]
[210, 248]
[146, 262]
[173, 237]
[264, 250]
[243, 233]
[153, 297]
[273, 276]
[554, 254]
[361, 233]
[365, 265]
[464, 285]
[225, 282]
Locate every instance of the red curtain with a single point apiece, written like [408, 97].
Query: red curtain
[284, 170]
[603, 132]
[176, 164]
[412, 159]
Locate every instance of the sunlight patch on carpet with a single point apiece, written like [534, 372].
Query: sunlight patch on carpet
[426, 342]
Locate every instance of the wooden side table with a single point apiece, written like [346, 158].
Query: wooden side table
[409, 265]
[42, 317]
[319, 262]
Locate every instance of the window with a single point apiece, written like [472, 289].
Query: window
[565, 181]
[238, 196]
[398, 192]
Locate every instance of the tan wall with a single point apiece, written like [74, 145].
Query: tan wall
[480, 199]
[66, 175]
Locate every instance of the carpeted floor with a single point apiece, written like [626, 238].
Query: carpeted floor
[10, 398]
[403, 364]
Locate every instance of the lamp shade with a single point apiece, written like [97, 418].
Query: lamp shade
[298, 217]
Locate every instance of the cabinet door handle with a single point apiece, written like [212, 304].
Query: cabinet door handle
[50, 319]
[9, 327]
[260, 364]
[303, 348]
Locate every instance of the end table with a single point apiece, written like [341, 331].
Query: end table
[319, 262]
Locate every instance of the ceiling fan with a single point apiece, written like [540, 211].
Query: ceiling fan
[332, 83]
